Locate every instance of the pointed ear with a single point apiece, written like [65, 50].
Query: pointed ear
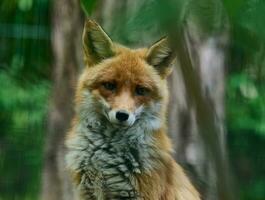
[160, 55]
[96, 43]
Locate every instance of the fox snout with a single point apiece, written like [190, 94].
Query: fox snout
[121, 117]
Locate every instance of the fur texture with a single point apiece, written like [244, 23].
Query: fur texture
[109, 159]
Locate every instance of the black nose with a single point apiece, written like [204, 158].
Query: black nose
[122, 116]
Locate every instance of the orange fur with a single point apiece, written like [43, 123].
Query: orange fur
[169, 182]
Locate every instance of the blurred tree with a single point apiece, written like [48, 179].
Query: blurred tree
[66, 39]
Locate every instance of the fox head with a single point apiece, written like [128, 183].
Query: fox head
[122, 84]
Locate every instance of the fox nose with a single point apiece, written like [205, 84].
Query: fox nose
[122, 116]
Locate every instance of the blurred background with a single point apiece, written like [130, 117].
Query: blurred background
[217, 105]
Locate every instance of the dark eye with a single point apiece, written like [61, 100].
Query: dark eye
[141, 91]
[109, 86]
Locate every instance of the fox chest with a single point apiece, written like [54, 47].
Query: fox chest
[109, 173]
[108, 166]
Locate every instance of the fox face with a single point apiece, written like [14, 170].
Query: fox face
[123, 84]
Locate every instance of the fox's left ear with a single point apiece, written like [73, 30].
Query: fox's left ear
[96, 43]
[160, 55]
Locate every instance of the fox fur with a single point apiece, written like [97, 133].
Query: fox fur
[113, 160]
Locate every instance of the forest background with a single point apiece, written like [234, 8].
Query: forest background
[41, 57]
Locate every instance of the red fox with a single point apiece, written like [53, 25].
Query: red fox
[118, 147]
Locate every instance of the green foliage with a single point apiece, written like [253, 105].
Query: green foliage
[233, 7]
[247, 16]
[25, 5]
[246, 96]
[245, 91]
[87, 6]
[23, 111]
[247, 160]
[24, 79]
[246, 110]
[251, 17]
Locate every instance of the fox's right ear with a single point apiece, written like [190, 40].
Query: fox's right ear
[96, 43]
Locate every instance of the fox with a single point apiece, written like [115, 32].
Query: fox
[118, 147]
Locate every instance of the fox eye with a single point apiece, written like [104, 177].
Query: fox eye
[141, 91]
[109, 86]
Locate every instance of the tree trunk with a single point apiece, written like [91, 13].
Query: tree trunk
[66, 45]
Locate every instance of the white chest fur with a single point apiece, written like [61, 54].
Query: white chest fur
[108, 158]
